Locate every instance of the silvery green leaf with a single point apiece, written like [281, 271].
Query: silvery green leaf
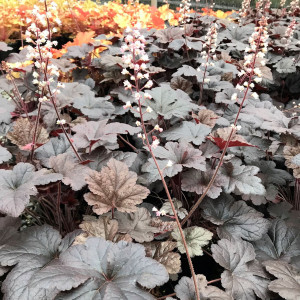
[280, 210]
[79, 51]
[287, 284]
[220, 67]
[53, 147]
[215, 84]
[225, 97]
[63, 64]
[187, 132]
[181, 155]
[104, 270]
[31, 252]
[197, 181]
[151, 173]
[266, 116]
[235, 218]
[169, 34]
[167, 209]
[6, 108]
[241, 179]
[137, 225]
[189, 71]
[196, 237]
[185, 290]
[285, 65]
[252, 154]
[69, 93]
[92, 134]
[94, 107]
[279, 243]
[237, 35]
[73, 173]
[243, 277]
[8, 228]
[168, 103]
[4, 47]
[271, 178]
[101, 156]
[18, 184]
[176, 44]
[5, 155]
[123, 95]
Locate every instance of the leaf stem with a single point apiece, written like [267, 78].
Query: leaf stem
[164, 297]
[35, 131]
[213, 281]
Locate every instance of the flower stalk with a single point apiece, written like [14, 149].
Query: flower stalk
[258, 42]
[136, 59]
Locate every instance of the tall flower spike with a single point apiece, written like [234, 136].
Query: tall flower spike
[135, 45]
[244, 11]
[184, 10]
[294, 6]
[42, 45]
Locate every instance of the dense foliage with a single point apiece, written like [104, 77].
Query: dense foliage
[127, 158]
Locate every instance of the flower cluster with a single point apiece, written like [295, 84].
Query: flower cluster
[210, 43]
[209, 49]
[184, 10]
[136, 59]
[294, 6]
[282, 3]
[290, 32]
[263, 5]
[255, 55]
[44, 72]
[245, 8]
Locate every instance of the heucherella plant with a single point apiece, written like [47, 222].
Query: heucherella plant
[45, 73]
[136, 58]
[255, 56]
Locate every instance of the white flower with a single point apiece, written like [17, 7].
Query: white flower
[61, 122]
[169, 164]
[35, 74]
[257, 79]
[147, 96]
[234, 97]
[149, 84]
[137, 96]
[237, 127]
[124, 72]
[255, 95]
[155, 143]
[137, 123]
[43, 99]
[127, 84]
[149, 109]
[239, 87]
[127, 105]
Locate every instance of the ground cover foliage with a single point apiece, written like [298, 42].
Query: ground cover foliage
[127, 159]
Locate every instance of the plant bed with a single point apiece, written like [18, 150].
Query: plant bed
[152, 163]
